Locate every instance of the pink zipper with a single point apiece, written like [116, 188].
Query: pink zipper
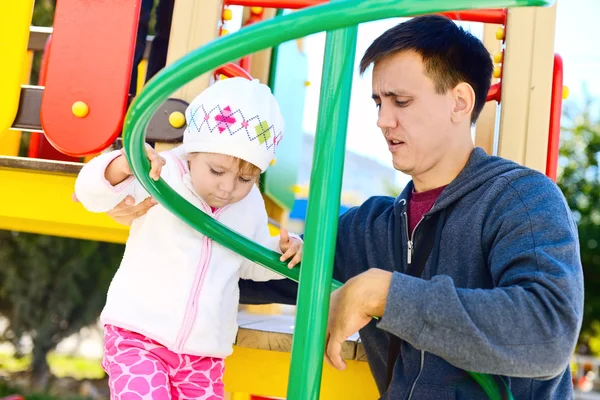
[192, 304]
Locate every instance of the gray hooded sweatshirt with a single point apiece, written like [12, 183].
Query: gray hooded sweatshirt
[501, 292]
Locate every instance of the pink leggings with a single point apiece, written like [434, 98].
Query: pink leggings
[139, 368]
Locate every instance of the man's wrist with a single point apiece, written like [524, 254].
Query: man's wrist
[377, 286]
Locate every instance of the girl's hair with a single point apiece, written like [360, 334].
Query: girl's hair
[244, 167]
[247, 168]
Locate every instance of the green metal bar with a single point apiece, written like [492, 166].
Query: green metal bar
[274, 56]
[322, 216]
[248, 40]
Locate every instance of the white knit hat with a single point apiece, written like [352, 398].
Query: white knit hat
[237, 117]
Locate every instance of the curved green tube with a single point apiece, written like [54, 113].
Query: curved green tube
[255, 37]
[248, 40]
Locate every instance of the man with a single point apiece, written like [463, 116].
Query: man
[475, 266]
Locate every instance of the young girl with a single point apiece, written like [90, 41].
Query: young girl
[170, 315]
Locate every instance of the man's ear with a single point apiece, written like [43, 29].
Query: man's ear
[464, 102]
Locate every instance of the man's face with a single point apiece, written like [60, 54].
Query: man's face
[414, 118]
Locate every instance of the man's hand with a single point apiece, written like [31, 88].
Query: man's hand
[125, 212]
[290, 247]
[352, 307]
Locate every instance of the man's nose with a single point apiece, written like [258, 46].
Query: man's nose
[386, 118]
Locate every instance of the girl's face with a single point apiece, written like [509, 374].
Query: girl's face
[221, 179]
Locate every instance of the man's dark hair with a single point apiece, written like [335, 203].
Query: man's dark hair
[450, 54]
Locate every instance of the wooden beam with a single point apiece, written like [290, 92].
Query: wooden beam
[526, 86]
[195, 23]
[485, 129]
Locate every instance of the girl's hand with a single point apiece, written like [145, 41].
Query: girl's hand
[291, 247]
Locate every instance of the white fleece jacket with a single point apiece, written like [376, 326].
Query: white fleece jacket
[174, 284]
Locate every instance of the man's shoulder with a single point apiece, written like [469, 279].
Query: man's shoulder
[524, 182]
[531, 194]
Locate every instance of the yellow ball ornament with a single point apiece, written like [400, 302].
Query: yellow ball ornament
[80, 109]
[177, 119]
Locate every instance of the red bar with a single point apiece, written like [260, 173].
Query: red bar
[39, 147]
[245, 63]
[555, 114]
[291, 4]
[230, 70]
[494, 92]
[491, 16]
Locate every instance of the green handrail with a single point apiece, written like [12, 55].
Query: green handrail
[308, 346]
[250, 39]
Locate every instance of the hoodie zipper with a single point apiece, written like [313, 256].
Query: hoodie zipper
[192, 305]
[412, 389]
[191, 309]
[410, 238]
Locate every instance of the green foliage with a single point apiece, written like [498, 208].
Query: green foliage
[61, 365]
[579, 180]
[50, 288]
[6, 390]
[43, 12]
[43, 15]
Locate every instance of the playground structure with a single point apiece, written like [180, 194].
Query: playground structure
[520, 122]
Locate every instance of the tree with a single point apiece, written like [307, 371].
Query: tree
[51, 287]
[579, 180]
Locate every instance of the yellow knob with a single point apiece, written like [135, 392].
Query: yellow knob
[227, 14]
[497, 72]
[273, 161]
[307, 83]
[565, 93]
[498, 57]
[80, 109]
[224, 32]
[256, 10]
[500, 33]
[177, 119]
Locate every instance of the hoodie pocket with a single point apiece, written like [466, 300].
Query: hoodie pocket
[433, 392]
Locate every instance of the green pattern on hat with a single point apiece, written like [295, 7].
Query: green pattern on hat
[262, 131]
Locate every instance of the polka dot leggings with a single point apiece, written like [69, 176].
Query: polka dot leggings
[139, 368]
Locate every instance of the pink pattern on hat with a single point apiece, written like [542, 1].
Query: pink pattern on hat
[225, 119]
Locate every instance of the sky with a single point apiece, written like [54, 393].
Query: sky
[575, 41]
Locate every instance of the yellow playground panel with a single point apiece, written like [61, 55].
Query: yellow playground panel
[15, 17]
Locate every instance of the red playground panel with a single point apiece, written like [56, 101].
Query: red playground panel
[88, 74]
